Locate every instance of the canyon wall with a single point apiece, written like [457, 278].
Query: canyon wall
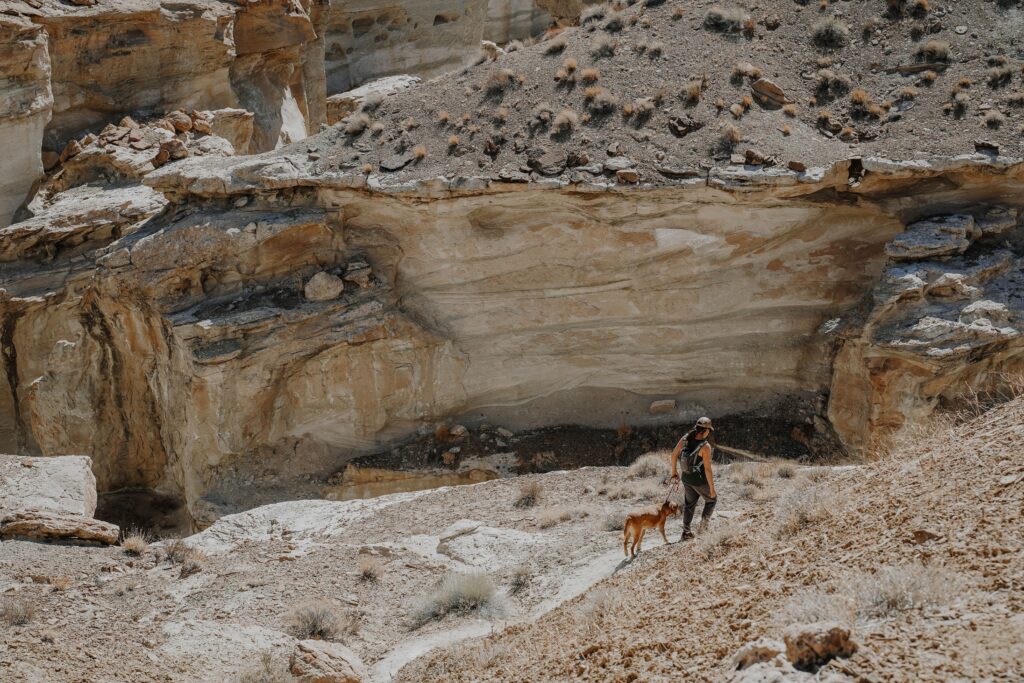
[202, 343]
[368, 39]
[145, 58]
[25, 104]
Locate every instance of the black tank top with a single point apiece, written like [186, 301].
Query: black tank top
[692, 463]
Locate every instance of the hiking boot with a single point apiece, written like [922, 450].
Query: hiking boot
[687, 535]
[703, 526]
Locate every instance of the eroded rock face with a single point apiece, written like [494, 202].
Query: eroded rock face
[25, 103]
[189, 347]
[317, 661]
[105, 60]
[368, 39]
[47, 525]
[946, 319]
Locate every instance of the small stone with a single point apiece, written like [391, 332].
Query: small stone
[240, 202]
[681, 126]
[737, 159]
[768, 93]
[797, 166]
[181, 121]
[986, 147]
[508, 434]
[72, 149]
[627, 175]
[960, 30]
[324, 287]
[614, 149]
[458, 430]
[396, 162]
[618, 164]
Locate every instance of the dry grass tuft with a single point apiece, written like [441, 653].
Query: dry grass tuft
[371, 102]
[804, 507]
[814, 605]
[603, 47]
[907, 93]
[135, 542]
[443, 117]
[590, 75]
[613, 521]
[499, 81]
[999, 76]
[569, 65]
[651, 465]
[356, 124]
[370, 568]
[318, 621]
[552, 516]
[555, 45]
[789, 110]
[16, 611]
[830, 33]
[456, 594]
[530, 494]
[994, 118]
[602, 102]
[692, 91]
[519, 580]
[269, 671]
[565, 122]
[419, 152]
[725, 19]
[712, 545]
[593, 13]
[933, 51]
[896, 589]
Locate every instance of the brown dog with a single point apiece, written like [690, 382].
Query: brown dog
[637, 524]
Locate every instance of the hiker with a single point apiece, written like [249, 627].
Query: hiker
[694, 452]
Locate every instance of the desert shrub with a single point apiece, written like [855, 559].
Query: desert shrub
[714, 543]
[355, 124]
[737, 111]
[725, 19]
[269, 671]
[651, 465]
[603, 102]
[443, 117]
[692, 91]
[613, 521]
[933, 51]
[542, 114]
[602, 47]
[371, 102]
[928, 77]
[741, 70]
[803, 508]
[551, 516]
[824, 118]
[419, 152]
[514, 46]
[319, 621]
[901, 588]
[812, 605]
[569, 65]
[519, 580]
[555, 45]
[789, 110]
[1016, 100]
[785, 471]
[919, 8]
[456, 594]
[15, 611]
[565, 121]
[999, 76]
[590, 75]
[615, 23]
[830, 84]
[593, 13]
[907, 93]
[830, 33]
[600, 604]
[135, 541]
[729, 136]
[994, 119]
[529, 494]
[655, 49]
[176, 551]
[453, 142]
[499, 81]
[635, 491]
[370, 568]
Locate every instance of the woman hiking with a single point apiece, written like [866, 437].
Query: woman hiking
[694, 452]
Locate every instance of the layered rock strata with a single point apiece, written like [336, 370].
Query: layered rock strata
[25, 104]
[105, 60]
[191, 347]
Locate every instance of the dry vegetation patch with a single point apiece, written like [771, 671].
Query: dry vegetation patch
[457, 593]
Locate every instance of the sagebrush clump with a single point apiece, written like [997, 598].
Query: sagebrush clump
[529, 494]
[457, 593]
[830, 33]
[725, 19]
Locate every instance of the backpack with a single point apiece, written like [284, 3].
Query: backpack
[691, 462]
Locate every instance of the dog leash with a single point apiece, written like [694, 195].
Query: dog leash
[672, 488]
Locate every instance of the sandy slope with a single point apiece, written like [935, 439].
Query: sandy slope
[675, 616]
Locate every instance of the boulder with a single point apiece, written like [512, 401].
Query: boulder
[768, 94]
[317, 661]
[934, 237]
[341, 105]
[667, 405]
[812, 645]
[49, 525]
[62, 484]
[324, 287]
